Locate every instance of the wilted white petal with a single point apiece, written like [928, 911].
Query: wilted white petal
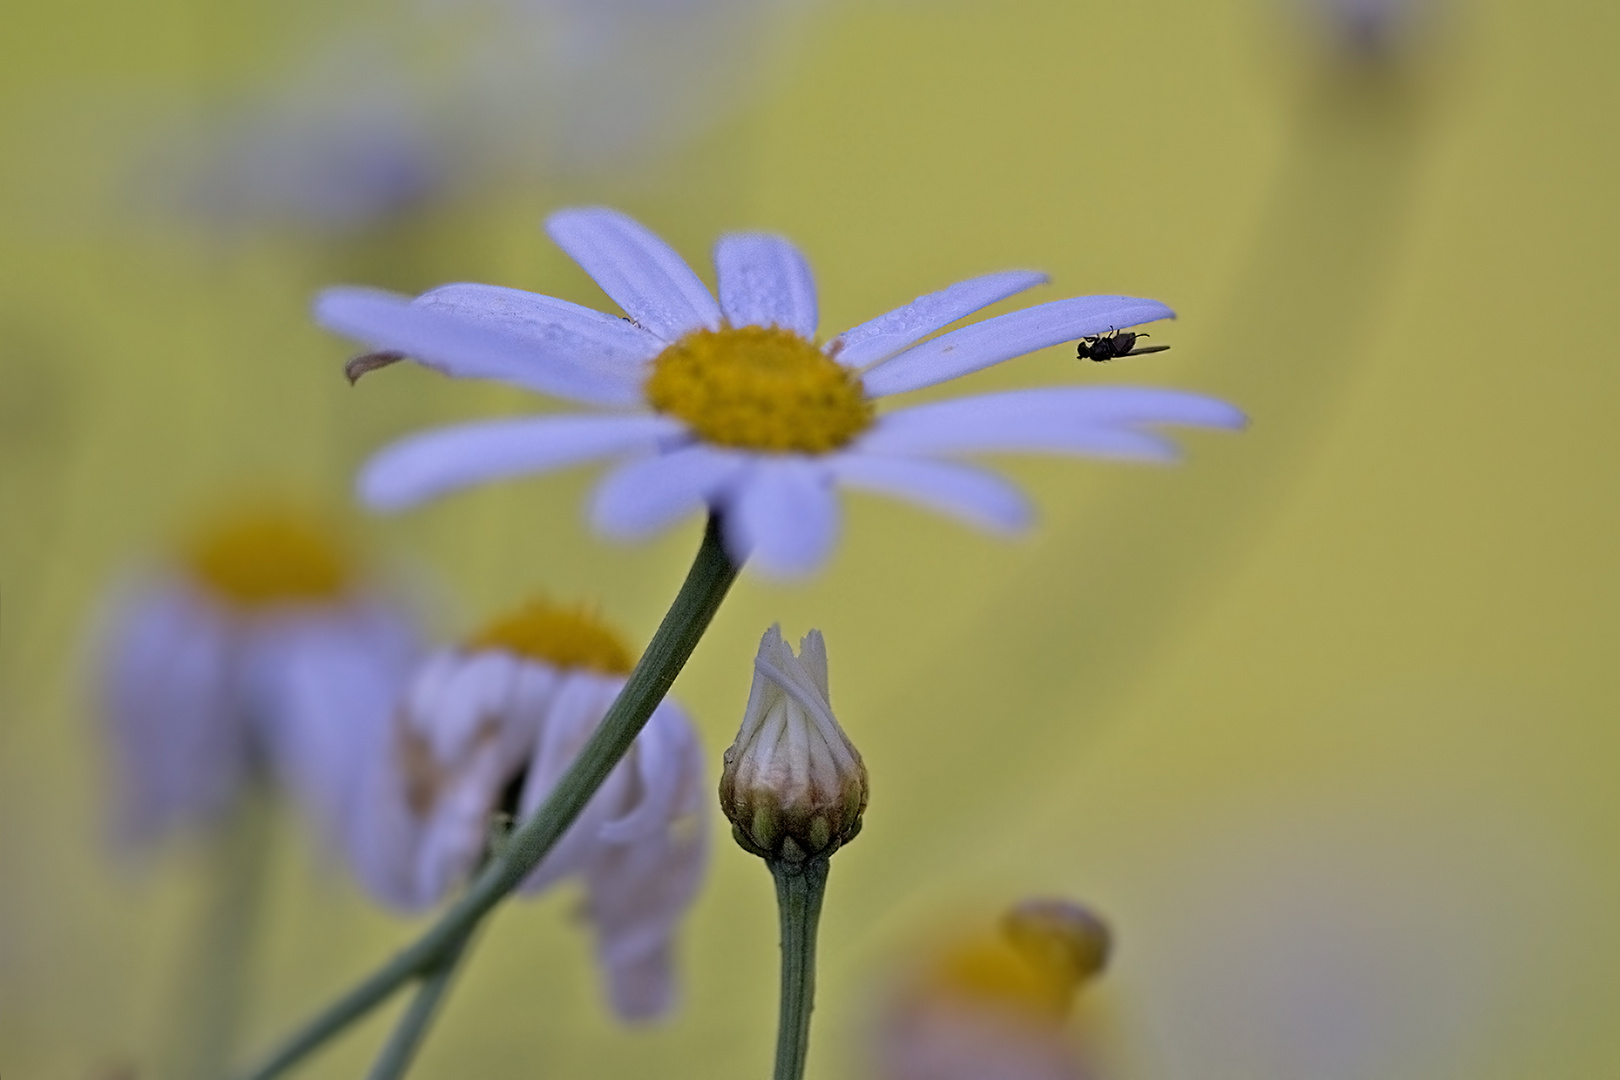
[654, 756]
[903, 327]
[983, 344]
[181, 744]
[467, 348]
[639, 271]
[479, 686]
[582, 700]
[963, 491]
[420, 467]
[764, 281]
[637, 891]
[323, 687]
[783, 516]
[590, 339]
[644, 496]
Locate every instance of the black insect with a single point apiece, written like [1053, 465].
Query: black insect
[1113, 345]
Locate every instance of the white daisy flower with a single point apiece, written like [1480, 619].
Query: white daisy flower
[491, 728]
[258, 652]
[733, 405]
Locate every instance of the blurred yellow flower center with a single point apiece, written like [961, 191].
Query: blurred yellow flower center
[759, 388]
[1045, 952]
[270, 557]
[561, 637]
[990, 971]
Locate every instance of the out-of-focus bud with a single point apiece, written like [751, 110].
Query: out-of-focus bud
[793, 784]
[1067, 943]
[1000, 1004]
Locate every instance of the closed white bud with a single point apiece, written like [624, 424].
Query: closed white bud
[793, 784]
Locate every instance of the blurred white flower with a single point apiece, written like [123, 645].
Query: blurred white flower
[430, 100]
[736, 406]
[996, 1006]
[258, 651]
[492, 727]
[1369, 29]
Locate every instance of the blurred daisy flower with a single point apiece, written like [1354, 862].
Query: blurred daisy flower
[259, 652]
[1371, 30]
[488, 729]
[996, 1006]
[734, 406]
[425, 102]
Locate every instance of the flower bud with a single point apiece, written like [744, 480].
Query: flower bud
[793, 785]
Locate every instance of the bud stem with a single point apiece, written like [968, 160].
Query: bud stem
[799, 889]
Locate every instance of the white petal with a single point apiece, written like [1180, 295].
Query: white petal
[903, 327]
[426, 465]
[582, 699]
[179, 738]
[1006, 336]
[764, 281]
[642, 497]
[963, 491]
[1103, 421]
[591, 339]
[639, 271]
[783, 517]
[468, 349]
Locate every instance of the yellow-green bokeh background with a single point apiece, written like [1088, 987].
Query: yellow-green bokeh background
[1324, 720]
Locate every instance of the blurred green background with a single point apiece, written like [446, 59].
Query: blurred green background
[1323, 720]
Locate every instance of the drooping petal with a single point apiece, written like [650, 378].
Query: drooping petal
[592, 339]
[639, 271]
[324, 687]
[783, 517]
[1006, 336]
[467, 348]
[181, 745]
[974, 495]
[890, 333]
[423, 466]
[1102, 421]
[764, 281]
[647, 495]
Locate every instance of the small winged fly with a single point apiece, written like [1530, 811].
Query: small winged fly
[1113, 345]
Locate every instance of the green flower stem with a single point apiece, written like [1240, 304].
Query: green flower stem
[799, 888]
[219, 969]
[400, 1050]
[705, 587]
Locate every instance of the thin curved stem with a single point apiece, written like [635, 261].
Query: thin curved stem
[799, 889]
[400, 1050]
[705, 587]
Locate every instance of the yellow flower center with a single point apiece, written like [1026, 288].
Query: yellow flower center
[759, 388]
[1045, 952]
[989, 971]
[561, 637]
[268, 557]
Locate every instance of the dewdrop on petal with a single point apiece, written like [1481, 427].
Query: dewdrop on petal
[793, 785]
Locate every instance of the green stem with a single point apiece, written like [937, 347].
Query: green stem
[224, 939]
[799, 889]
[705, 587]
[412, 1028]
